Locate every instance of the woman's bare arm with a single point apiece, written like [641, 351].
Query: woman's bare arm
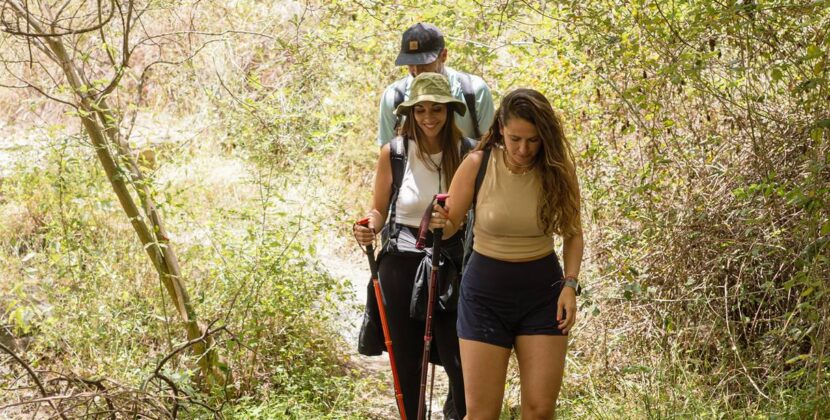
[461, 195]
[380, 199]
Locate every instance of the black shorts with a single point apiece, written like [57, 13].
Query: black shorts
[501, 300]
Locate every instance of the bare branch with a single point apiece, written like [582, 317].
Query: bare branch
[29, 85]
[207, 333]
[107, 49]
[188, 33]
[21, 9]
[60, 11]
[31, 374]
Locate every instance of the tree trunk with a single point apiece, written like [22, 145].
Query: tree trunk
[100, 123]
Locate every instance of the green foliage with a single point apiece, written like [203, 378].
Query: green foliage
[701, 131]
[719, 202]
[96, 308]
[702, 140]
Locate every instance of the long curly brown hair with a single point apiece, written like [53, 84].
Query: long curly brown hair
[559, 209]
[450, 137]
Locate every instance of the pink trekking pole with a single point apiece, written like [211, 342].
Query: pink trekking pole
[433, 280]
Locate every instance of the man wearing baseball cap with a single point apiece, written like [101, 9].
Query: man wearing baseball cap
[423, 50]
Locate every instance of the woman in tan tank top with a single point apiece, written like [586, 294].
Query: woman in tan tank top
[514, 293]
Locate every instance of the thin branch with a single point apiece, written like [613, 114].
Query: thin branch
[128, 26]
[44, 34]
[671, 28]
[41, 91]
[107, 49]
[543, 14]
[189, 33]
[31, 374]
[208, 332]
[60, 11]
[374, 16]
[242, 103]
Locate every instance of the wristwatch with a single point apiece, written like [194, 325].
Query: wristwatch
[572, 282]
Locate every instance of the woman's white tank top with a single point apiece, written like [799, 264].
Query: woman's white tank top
[421, 182]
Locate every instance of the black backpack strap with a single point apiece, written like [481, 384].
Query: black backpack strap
[470, 99]
[397, 153]
[400, 94]
[482, 170]
[471, 215]
[467, 146]
[398, 149]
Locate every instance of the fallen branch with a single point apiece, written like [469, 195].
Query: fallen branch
[32, 375]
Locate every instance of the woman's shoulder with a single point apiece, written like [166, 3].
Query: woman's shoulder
[472, 162]
[475, 156]
[478, 155]
[385, 150]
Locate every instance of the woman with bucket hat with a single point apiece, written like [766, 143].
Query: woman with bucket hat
[433, 151]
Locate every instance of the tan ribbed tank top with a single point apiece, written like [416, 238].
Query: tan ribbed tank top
[507, 223]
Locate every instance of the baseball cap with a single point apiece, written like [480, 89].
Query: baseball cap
[421, 43]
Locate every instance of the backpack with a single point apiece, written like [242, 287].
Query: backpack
[469, 98]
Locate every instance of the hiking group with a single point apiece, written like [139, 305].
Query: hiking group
[505, 183]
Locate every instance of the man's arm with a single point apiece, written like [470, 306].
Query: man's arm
[386, 116]
[484, 107]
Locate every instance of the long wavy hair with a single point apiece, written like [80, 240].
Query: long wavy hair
[559, 191]
[449, 137]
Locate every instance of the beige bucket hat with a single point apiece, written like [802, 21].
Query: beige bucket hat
[433, 87]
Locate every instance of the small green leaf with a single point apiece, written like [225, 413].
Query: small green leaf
[813, 51]
[798, 358]
[815, 134]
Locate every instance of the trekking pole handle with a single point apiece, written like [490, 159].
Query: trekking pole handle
[441, 199]
[365, 223]
[370, 249]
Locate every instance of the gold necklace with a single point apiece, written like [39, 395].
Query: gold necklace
[524, 168]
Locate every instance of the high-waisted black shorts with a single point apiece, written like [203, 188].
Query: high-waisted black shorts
[501, 300]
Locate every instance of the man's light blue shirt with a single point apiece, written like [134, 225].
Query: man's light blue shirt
[484, 106]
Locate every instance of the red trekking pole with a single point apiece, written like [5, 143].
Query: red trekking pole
[433, 280]
[370, 252]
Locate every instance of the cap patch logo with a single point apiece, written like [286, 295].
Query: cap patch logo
[413, 45]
